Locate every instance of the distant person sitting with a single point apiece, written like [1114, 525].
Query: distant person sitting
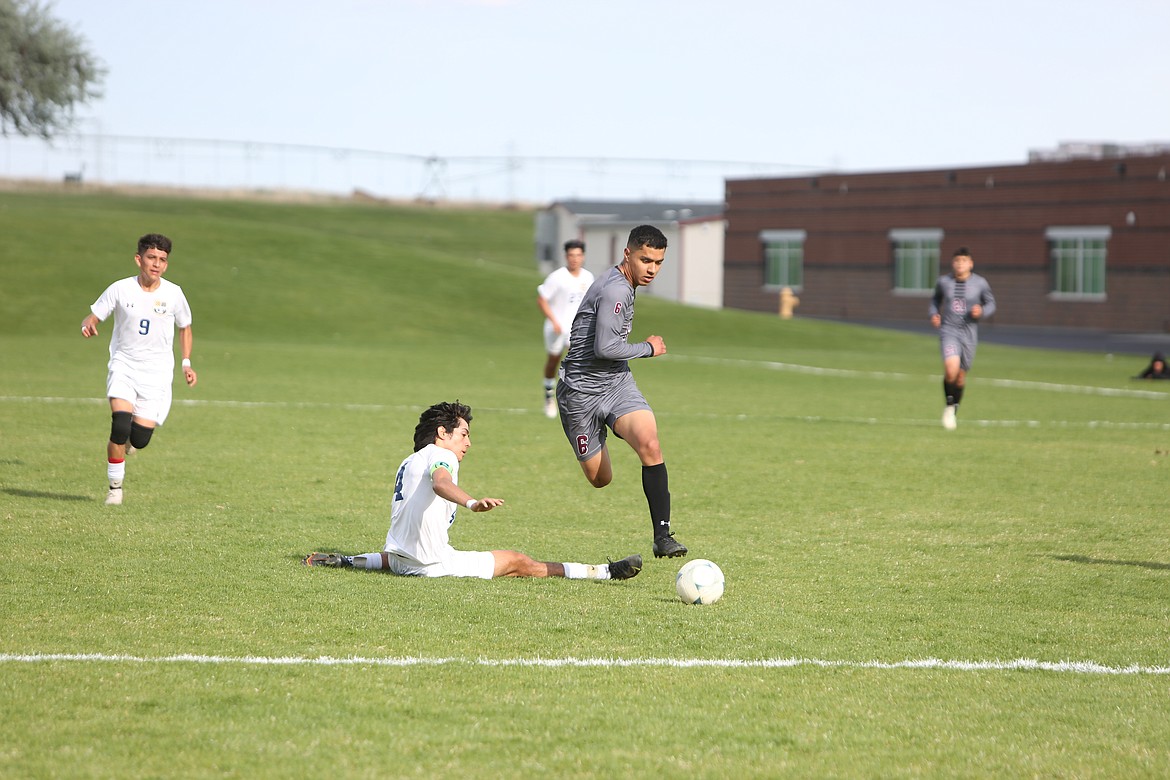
[1157, 368]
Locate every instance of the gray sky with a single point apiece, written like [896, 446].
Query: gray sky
[850, 85]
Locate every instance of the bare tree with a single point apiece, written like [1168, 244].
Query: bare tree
[45, 71]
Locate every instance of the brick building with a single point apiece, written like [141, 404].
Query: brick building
[1065, 242]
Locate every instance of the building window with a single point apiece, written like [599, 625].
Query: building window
[783, 258]
[915, 259]
[1077, 255]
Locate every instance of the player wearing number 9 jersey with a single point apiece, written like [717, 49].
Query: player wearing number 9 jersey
[147, 309]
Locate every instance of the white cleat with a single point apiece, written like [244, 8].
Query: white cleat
[948, 419]
[114, 497]
[550, 408]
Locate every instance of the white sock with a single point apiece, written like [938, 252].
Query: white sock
[116, 473]
[585, 571]
[371, 561]
[549, 385]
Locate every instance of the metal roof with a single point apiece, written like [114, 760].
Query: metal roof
[639, 211]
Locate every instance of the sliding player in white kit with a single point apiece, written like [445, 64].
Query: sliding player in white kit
[558, 298]
[426, 496]
[146, 309]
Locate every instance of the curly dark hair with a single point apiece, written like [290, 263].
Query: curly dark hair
[441, 415]
[154, 241]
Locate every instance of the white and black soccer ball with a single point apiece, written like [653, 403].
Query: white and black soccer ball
[699, 582]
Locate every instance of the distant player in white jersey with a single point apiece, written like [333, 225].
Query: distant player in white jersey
[558, 297]
[961, 299]
[146, 309]
[426, 497]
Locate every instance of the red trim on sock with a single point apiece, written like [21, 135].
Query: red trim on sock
[117, 460]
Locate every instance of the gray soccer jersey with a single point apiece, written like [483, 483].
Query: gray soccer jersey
[599, 352]
[953, 301]
[958, 332]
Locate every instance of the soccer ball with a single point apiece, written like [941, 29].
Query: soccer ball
[699, 582]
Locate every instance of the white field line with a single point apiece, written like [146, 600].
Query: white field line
[1051, 387]
[1020, 664]
[229, 404]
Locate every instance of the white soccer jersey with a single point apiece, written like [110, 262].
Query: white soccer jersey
[143, 335]
[564, 292]
[419, 518]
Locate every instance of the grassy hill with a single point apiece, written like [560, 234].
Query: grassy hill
[901, 600]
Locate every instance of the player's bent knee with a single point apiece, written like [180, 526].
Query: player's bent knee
[599, 478]
[650, 453]
[511, 563]
[140, 435]
[120, 426]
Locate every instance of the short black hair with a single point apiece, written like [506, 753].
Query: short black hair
[441, 415]
[962, 252]
[646, 235]
[574, 243]
[154, 241]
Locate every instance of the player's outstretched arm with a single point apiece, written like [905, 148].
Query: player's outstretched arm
[445, 487]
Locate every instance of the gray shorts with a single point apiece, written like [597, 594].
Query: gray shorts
[951, 344]
[585, 416]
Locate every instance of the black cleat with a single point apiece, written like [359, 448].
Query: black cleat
[328, 559]
[668, 547]
[625, 568]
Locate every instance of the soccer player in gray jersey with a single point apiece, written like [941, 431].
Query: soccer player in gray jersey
[961, 299]
[597, 390]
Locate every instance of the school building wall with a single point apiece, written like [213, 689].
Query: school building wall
[699, 259]
[1002, 213]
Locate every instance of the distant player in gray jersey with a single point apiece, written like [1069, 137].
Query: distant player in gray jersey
[960, 300]
[597, 390]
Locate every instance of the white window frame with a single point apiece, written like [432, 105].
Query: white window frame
[783, 237]
[1079, 233]
[903, 236]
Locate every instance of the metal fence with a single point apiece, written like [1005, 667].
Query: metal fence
[230, 165]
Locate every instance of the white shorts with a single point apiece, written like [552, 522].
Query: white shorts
[151, 401]
[555, 343]
[456, 563]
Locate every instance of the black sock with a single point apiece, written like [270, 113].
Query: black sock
[958, 394]
[951, 391]
[655, 486]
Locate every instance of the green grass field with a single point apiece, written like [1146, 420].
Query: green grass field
[902, 601]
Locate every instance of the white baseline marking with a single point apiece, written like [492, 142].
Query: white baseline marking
[846, 372]
[1020, 664]
[229, 404]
